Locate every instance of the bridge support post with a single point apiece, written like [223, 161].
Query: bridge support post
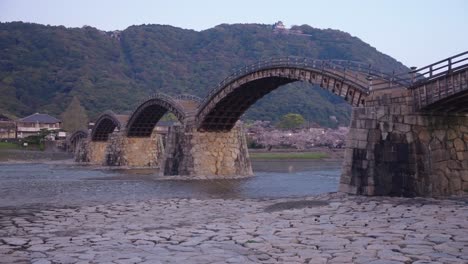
[134, 151]
[194, 153]
[394, 150]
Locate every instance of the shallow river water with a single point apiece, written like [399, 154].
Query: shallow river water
[70, 185]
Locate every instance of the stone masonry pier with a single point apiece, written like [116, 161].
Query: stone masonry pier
[120, 150]
[134, 151]
[195, 153]
[93, 152]
[394, 150]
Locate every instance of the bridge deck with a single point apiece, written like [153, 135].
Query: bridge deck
[442, 86]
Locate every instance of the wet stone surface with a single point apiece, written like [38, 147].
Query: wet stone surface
[289, 205]
[329, 228]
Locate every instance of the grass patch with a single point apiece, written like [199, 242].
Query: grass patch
[14, 145]
[9, 145]
[289, 155]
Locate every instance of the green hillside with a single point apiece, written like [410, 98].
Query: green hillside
[43, 67]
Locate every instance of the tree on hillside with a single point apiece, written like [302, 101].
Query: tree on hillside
[74, 118]
[169, 117]
[291, 121]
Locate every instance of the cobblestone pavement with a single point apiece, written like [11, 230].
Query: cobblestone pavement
[331, 228]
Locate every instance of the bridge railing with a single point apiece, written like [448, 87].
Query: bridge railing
[440, 68]
[363, 75]
[439, 80]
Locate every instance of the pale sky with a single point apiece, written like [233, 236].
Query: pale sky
[415, 32]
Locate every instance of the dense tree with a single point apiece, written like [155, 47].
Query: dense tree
[74, 118]
[291, 121]
[169, 117]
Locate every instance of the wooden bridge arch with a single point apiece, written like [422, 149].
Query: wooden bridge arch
[75, 138]
[232, 97]
[105, 124]
[147, 114]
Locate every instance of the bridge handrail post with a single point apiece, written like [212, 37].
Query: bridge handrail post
[419, 95]
[391, 80]
[413, 74]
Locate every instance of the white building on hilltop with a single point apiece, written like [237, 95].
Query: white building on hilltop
[279, 26]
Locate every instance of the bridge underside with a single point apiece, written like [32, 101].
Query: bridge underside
[223, 107]
[228, 111]
[457, 103]
[146, 120]
[76, 139]
[103, 130]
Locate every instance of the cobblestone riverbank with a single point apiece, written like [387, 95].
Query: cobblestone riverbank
[329, 228]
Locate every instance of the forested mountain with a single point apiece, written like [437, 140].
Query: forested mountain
[43, 67]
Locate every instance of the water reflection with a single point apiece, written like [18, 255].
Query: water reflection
[22, 184]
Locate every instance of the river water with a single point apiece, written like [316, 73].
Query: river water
[70, 185]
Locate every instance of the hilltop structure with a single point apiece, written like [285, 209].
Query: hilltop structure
[280, 28]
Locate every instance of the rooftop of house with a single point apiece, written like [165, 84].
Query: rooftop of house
[39, 118]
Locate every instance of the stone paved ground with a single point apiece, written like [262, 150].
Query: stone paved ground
[343, 229]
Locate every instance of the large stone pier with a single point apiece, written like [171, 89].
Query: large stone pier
[93, 152]
[120, 150]
[134, 151]
[394, 150]
[191, 152]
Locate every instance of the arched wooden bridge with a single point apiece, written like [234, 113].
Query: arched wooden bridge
[438, 87]
[400, 120]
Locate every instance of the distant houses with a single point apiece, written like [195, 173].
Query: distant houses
[7, 127]
[162, 127]
[33, 124]
[29, 126]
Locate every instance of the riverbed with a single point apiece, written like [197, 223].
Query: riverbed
[326, 229]
[58, 212]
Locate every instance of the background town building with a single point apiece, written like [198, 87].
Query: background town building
[7, 127]
[33, 124]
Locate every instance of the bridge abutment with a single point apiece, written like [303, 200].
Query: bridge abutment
[394, 150]
[194, 153]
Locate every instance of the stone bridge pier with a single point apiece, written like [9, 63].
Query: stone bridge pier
[195, 153]
[90, 151]
[394, 150]
[120, 150]
[134, 151]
